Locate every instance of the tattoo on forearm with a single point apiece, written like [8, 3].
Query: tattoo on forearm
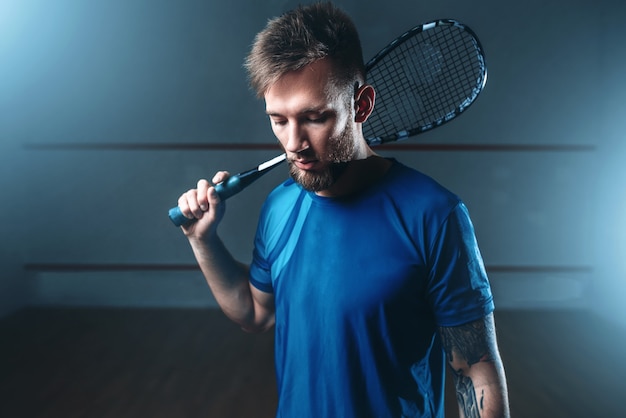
[466, 395]
[468, 341]
[465, 346]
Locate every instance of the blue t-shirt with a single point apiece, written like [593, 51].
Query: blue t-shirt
[361, 284]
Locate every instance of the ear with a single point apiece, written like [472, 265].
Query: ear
[364, 99]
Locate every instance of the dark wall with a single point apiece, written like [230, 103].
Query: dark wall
[96, 100]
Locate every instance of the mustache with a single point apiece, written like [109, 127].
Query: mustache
[305, 152]
[291, 156]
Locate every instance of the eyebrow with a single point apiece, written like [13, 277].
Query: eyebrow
[318, 110]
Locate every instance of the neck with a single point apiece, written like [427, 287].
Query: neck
[358, 175]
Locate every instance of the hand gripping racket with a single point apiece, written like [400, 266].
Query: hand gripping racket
[426, 77]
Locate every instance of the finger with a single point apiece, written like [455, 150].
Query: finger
[203, 188]
[188, 204]
[220, 176]
[214, 198]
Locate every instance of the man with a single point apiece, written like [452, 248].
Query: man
[369, 270]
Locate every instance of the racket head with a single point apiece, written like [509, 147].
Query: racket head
[424, 78]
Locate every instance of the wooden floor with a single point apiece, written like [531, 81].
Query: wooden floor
[194, 363]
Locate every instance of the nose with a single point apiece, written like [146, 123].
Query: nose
[296, 139]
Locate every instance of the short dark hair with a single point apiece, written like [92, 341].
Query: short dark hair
[299, 38]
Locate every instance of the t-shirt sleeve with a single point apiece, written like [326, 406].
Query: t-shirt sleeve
[458, 287]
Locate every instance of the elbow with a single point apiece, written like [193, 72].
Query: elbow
[256, 322]
[257, 327]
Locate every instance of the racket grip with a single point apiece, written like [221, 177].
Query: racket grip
[177, 217]
[226, 189]
[231, 186]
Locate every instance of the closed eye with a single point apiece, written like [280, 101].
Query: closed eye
[317, 117]
[310, 117]
[278, 121]
[320, 119]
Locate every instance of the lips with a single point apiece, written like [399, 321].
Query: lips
[305, 164]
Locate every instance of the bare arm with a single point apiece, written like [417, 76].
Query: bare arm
[472, 353]
[227, 278]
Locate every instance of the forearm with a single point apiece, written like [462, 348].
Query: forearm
[472, 354]
[227, 278]
[481, 390]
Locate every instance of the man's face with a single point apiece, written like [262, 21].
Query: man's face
[313, 123]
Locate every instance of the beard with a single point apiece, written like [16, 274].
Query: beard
[318, 181]
[340, 152]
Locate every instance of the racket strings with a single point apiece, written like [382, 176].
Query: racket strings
[424, 81]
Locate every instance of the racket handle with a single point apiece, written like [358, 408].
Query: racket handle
[230, 187]
[226, 189]
[177, 217]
